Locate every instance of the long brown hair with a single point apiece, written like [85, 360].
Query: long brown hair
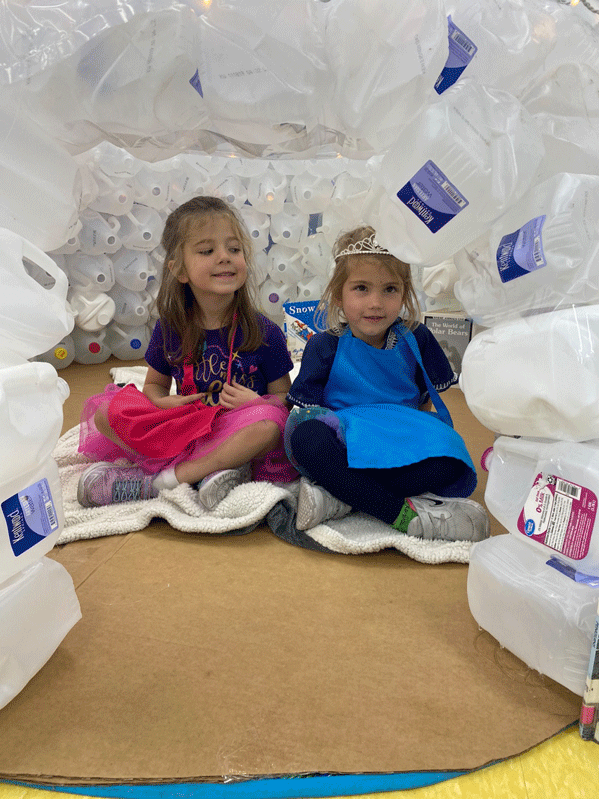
[177, 307]
[329, 315]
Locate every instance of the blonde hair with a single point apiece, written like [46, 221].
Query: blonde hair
[329, 315]
[176, 304]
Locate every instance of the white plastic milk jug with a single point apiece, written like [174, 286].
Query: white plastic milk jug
[289, 227]
[258, 225]
[128, 342]
[93, 310]
[61, 355]
[541, 254]
[133, 269]
[33, 317]
[554, 634]
[90, 347]
[285, 264]
[31, 516]
[90, 273]
[546, 493]
[267, 192]
[452, 171]
[537, 376]
[131, 307]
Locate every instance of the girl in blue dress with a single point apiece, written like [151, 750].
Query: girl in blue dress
[362, 432]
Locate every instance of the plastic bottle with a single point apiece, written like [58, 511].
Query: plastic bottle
[258, 225]
[312, 195]
[316, 255]
[115, 196]
[439, 280]
[113, 161]
[537, 376]
[273, 295]
[541, 254]
[90, 273]
[141, 228]
[152, 188]
[348, 189]
[93, 311]
[38, 607]
[188, 178]
[131, 307]
[502, 46]
[310, 288]
[90, 347]
[72, 245]
[267, 192]
[152, 289]
[41, 186]
[230, 187]
[60, 356]
[555, 633]
[285, 264]
[31, 416]
[546, 494]
[32, 516]
[399, 58]
[128, 342]
[453, 170]
[98, 234]
[133, 268]
[289, 227]
[33, 317]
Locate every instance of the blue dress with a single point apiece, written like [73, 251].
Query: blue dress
[374, 399]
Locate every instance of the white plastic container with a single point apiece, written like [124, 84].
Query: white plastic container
[273, 295]
[60, 356]
[141, 228]
[312, 195]
[541, 254]
[115, 196]
[31, 517]
[452, 171]
[133, 269]
[131, 307]
[31, 417]
[230, 187]
[38, 607]
[258, 225]
[41, 187]
[90, 273]
[93, 310]
[316, 255]
[538, 376]
[33, 317]
[285, 264]
[439, 280]
[538, 613]
[289, 227]
[267, 192]
[128, 342]
[90, 347]
[99, 234]
[310, 288]
[546, 494]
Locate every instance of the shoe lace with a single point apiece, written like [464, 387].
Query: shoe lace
[127, 490]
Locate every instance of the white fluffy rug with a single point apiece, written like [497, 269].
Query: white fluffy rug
[241, 511]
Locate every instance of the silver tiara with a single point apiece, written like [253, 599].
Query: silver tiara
[369, 246]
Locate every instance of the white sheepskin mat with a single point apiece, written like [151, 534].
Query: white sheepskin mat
[241, 511]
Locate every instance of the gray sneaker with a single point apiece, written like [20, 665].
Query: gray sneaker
[448, 519]
[215, 487]
[315, 505]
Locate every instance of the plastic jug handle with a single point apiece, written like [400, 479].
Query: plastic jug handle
[39, 257]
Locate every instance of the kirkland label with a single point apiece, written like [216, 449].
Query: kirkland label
[30, 516]
[560, 515]
[572, 573]
[432, 197]
[461, 52]
[521, 253]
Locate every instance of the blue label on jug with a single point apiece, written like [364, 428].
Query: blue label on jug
[196, 83]
[521, 252]
[30, 516]
[432, 197]
[461, 52]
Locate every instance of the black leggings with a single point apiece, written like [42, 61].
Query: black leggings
[378, 492]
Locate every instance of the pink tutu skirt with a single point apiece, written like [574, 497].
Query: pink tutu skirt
[204, 432]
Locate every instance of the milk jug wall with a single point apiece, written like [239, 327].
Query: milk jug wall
[464, 131]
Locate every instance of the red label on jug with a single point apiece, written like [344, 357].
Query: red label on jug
[559, 514]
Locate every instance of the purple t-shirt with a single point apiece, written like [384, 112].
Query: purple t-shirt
[252, 369]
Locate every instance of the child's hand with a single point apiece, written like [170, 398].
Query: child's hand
[233, 395]
[174, 400]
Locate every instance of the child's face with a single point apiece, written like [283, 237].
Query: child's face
[371, 299]
[214, 264]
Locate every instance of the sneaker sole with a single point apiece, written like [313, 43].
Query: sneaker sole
[221, 485]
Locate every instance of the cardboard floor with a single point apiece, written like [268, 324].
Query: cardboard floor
[204, 657]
